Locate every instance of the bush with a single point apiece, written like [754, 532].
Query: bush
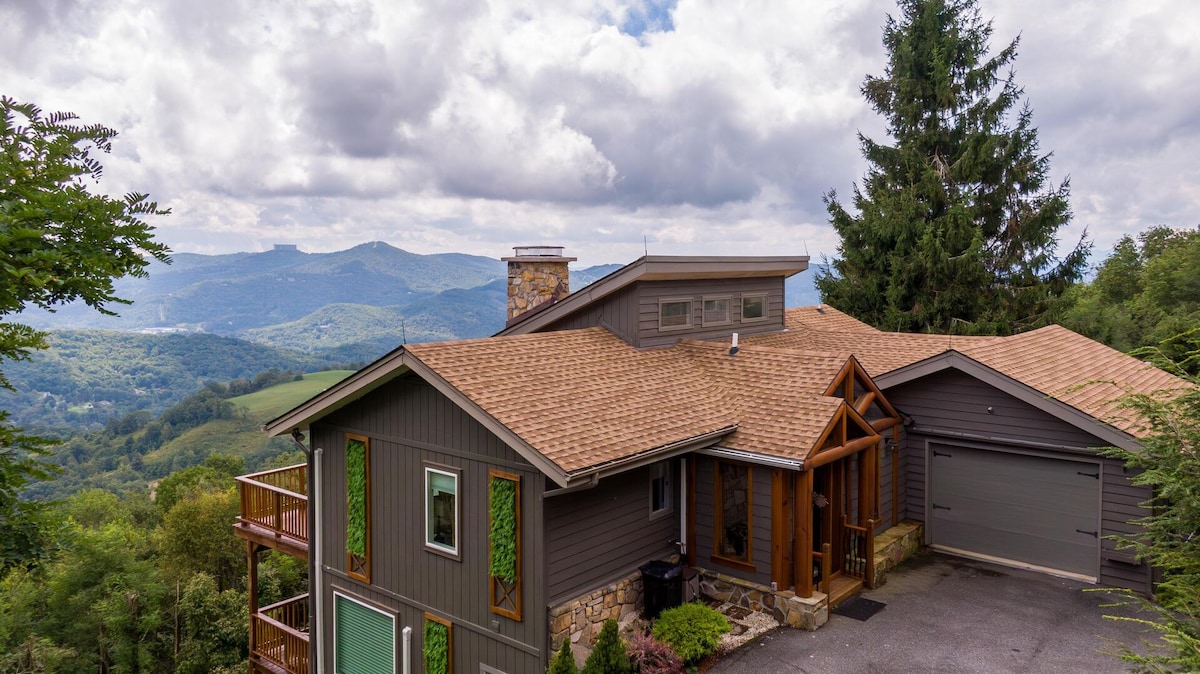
[652, 657]
[564, 660]
[609, 656]
[692, 630]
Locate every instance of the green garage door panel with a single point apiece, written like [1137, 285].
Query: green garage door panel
[1027, 509]
[365, 642]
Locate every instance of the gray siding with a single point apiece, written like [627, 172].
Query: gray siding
[951, 405]
[598, 535]
[618, 313]
[650, 292]
[409, 423]
[761, 522]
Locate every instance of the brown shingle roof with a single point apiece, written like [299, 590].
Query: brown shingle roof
[1054, 361]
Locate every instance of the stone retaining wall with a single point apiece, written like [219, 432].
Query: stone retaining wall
[896, 545]
[582, 618]
[788, 609]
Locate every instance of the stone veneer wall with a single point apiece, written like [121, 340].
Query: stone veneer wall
[533, 282]
[583, 617]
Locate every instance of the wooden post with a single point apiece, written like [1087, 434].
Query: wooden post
[252, 585]
[870, 572]
[826, 567]
[802, 543]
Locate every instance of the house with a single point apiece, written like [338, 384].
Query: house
[483, 499]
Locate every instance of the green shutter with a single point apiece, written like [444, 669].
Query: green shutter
[365, 642]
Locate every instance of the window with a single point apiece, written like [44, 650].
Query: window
[754, 308]
[364, 638]
[716, 311]
[660, 489]
[674, 314]
[504, 543]
[358, 507]
[733, 508]
[441, 510]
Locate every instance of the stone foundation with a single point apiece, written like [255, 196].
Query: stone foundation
[582, 618]
[896, 545]
[783, 605]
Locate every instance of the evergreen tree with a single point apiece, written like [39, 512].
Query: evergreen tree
[564, 660]
[609, 656]
[956, 221]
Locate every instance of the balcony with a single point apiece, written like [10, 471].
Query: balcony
[279, 637]
[274, 510]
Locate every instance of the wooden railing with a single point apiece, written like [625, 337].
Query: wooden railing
[279, 634]
[859, 546]
[277, 500]
[824, 559]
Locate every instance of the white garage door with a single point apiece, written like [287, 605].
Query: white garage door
[1028, 510]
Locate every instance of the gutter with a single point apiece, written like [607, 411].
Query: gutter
[751, 457]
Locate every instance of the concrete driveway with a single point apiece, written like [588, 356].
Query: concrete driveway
[946, 614]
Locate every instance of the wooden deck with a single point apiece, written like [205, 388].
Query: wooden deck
[274, 510]
[279, 637]
[842, 588]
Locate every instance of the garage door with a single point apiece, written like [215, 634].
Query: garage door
[1028, 510]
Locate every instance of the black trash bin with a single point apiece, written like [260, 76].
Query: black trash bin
[662, 587]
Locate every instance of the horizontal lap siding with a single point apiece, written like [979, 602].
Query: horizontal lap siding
[410, 423]
[597, 535]
[953, 402]
[650, 292]
[760, 518]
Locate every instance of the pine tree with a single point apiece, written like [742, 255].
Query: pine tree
[956, 222]
[564, 660]
[609, 656]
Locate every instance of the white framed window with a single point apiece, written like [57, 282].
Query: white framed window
[674, 314]
[364, 637]
[441, 510]
[661, 501]
[754, 308]
[716, 311]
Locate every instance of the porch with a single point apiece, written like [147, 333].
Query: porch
[279, 637]
[274, 510]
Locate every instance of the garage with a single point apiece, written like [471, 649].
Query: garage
[1016, 508]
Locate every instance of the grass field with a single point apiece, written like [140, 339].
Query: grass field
[269, 403]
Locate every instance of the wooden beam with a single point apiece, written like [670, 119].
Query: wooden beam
[864, 403]
[831, 455]
[802, 544]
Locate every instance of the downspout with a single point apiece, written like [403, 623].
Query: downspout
[683, 513]
[311, 486]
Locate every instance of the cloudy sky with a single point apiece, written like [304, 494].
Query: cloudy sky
[701, 126]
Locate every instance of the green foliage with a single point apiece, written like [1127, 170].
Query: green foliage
[1146, 294]
[564, 660]
[196, 538]
[956, 225]
[25, 535]
[216, 473]
[608, 656]
[1169, 461]
[437, 648]
[502, 561]
[653, 657]
[691, 630]
[213, 627]
[356, 497]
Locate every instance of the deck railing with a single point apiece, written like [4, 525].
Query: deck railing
[859, 546]
[279, 634]
[277, 500]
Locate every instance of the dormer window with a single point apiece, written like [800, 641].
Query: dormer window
[674, 314]
[716, 311]
[754, 308]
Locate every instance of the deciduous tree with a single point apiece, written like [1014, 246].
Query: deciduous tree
[956, 224]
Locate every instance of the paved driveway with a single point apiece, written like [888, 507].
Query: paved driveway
[946, 614]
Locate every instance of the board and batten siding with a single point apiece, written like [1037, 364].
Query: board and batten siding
[410, 424]
[760, 522]
[618, 313]
[650, 292]
[598, 535]
[952, 406]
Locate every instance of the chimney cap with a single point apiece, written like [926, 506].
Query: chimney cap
[542, 253]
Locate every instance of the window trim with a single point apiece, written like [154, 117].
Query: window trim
[747, 296]
[662, 301]
[454, 553]
[719, 516]
[351, 564]
[387, 614]
[665, 467]
[704, 322]
[494, 582]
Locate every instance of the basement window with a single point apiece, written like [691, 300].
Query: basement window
[754, 308]
[674, 314]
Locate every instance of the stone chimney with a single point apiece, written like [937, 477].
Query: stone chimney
[536, 274]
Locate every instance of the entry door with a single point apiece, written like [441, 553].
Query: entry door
[1029, 510]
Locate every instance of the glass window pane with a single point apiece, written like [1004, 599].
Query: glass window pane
[675, 314]
[754, 307]
[735, 511]
[441, 516]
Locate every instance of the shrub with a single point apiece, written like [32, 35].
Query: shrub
[652, 657]
[564, 660]
[692, 630]
[609, 656]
